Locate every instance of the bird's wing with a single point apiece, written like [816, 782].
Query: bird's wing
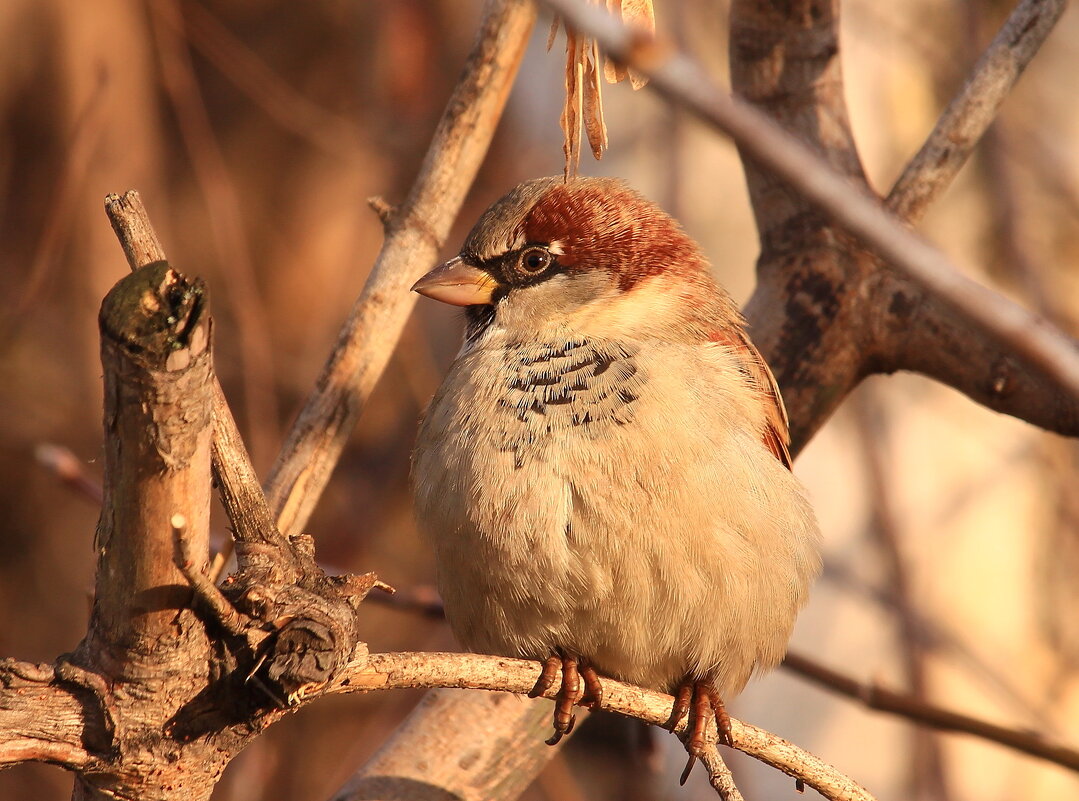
[776, 424]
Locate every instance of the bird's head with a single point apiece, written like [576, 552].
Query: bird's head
[589, 253]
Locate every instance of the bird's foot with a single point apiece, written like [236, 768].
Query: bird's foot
[701, 701]
[569, 691]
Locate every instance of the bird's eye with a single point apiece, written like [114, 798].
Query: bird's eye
[534, 261]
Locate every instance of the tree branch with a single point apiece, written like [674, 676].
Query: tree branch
[475, 672]
[425, 602]
[914, 330]
[881, 699]
[146, 653]
[973, 110]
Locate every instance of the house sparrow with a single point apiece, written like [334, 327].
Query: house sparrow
[604, 471]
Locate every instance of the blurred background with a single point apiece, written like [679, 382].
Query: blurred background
[255, 130]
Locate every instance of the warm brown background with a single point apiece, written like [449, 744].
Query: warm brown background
[255, 131]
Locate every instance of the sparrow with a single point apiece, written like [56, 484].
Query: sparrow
[604, 472]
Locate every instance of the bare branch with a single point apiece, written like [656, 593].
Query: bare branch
[413, 241]
[213, 600]
[721, 778]
[65, 466]
[678, 78]
[131, 224]
[972, 111]
[424, 600]
[876, 697]
[917, 331]
[472, 671]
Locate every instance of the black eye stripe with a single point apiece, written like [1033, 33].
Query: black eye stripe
[512, 272]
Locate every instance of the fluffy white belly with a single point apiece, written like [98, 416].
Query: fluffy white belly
[581, 499]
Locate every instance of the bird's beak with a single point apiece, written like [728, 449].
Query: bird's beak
[458, 283]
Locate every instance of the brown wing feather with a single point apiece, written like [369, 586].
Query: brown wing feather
[776, 424]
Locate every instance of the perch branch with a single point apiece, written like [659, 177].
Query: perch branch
[471, 671]
[678, 78]
[972, 111]
[423, 600]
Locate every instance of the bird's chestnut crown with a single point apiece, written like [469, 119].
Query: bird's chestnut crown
[547, 227]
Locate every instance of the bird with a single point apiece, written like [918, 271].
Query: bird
[604, 472]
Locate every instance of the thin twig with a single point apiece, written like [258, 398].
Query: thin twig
[413, 240]
[230, 618]
[876, 697]
[472, 671]
[67, 467]
[973, 110]
[332, 133]
[677, 77]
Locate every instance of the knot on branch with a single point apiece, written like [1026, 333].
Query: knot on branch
[297, 625]
[312, 625]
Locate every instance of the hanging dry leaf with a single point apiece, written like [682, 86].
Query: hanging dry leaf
[594, 125]
[584, 100]
[571, 111]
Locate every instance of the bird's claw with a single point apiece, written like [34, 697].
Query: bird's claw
[701, 701]
[570, 691]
